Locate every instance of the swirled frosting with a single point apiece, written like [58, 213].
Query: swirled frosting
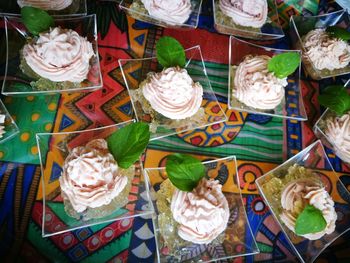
[324, 51]
[173, 93]
[2, 123]
[46, 4]
[255, 86]
[296, 195]
[171, 11]
[252, 13]
[90, 176]
[338, 133]
[59, 55]
[202, 214]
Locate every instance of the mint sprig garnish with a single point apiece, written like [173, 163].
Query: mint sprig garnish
[282, 65]
[128, 143]
[184, 171]
[309, 221]
[336, 98]
[170, 52]
[338, 32]
[36, 20]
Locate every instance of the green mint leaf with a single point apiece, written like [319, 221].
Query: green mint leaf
[184, 171]
[170, 52]
[338, 32]
[336, 98]
[282, 65]
[310, 220]
[128, 143]
[36, 20]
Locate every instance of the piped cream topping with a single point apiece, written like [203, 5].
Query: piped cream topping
[255, 86]
[90, 176]
[326, 52]
[252, 13]
[46, 4]
[171, 11]
[60, 55]
[202, 214]
[173, 93]
[296, 195]
[338, 133]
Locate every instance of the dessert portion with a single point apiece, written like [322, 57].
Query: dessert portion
[324, 51]
[338, 132]
[2, 125]
[173, 93]
[297, 195]
[202, 214]
[171, 11]
[255, 85]
[59, 55]
[252, 13]
[48, 5]
[92, 183]
[301, 202]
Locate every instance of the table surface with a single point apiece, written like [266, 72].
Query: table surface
[260, 144]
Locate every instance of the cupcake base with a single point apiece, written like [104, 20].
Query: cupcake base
[118, 202]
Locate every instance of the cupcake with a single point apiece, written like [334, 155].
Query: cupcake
[194, 214]
[243, 13]
[172, 12]
[255, 86]
[46, 4]
[2, 125]
[59, 59]
[324, 54]
[92, 184]
[301, 202]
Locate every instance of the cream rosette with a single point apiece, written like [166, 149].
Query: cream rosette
[46, 4]
[90, 176]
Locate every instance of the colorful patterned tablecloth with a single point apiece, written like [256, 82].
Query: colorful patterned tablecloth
[260, 143]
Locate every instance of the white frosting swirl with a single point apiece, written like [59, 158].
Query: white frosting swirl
[173, 93]
[338, 133]
[326, 52]
[90, 176]
[255, 86]
[202, 214]
[60, 55]
[2, 125]
[46, 4]
[252, 13]
[297, 195]
[171, 11]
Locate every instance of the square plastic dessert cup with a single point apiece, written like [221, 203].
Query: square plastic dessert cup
[53, 149]
[238, 232]
[77, 8]
[301, 25]
[135, 71]
[11, 128]
[291, 107]
[18, 83]
[314, 158]
[136, 9]
[270, 30]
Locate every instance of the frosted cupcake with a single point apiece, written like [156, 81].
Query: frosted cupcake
[172, 12]
[324, 54]
[92, 184]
